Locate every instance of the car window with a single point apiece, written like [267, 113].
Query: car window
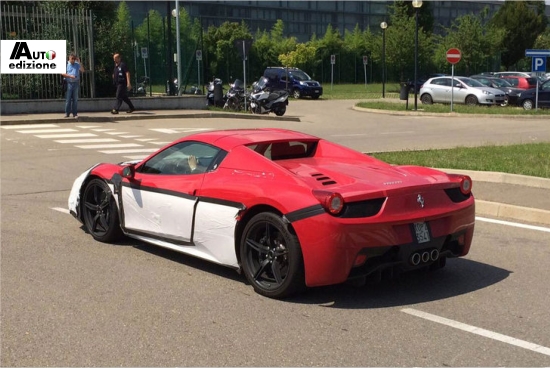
[175, 160]
[471, 82]
[441, 81]
[546, 86]
[299, 75]
[513, 81]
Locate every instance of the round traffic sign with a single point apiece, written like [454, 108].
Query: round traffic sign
[453, 56]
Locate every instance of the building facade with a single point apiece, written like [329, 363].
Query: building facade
[302, 19]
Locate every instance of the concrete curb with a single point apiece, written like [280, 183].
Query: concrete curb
[502, 210]
[144, 115]
[505, 178]
[448, 114]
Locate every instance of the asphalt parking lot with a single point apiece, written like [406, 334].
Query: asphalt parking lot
[68, 300]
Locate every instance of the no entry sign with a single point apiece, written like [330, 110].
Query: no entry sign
[453, 56]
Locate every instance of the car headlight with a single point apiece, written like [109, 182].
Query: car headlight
[303, 83]
[487, 93]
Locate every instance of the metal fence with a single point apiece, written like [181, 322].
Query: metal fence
[38, 23]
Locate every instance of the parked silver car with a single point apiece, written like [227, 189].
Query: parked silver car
[464, 91]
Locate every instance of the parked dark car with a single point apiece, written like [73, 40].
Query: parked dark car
[502, 84]
[420, 81]
[297, 82]
[522, 82]
[527, 98]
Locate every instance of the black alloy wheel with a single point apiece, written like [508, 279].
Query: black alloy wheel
[99, 212]
[271, 257]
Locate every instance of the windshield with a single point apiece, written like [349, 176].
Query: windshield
[501, 82]
[261, 83]
[471, 82]
[299, 75]
[238, 84]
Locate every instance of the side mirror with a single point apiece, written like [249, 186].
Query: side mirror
[128, 172]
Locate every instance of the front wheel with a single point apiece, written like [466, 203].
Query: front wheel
[271, 257]
[100, 213]
[527, 104]
[296, 94]
[471, 101]
[426, 99]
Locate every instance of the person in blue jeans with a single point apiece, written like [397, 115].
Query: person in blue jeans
[72, 79]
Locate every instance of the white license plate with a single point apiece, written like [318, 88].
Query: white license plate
[316, 91]
[422, 232]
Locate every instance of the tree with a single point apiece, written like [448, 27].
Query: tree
[226, 62]
[400, 44]
[522, 22]
[477, 41]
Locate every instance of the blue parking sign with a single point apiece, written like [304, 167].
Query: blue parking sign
[538, 64]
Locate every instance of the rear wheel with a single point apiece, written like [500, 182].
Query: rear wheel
[426, 99]
[271, 257]
[527, 104]
[280, 111]
[99, 212]
[471, 101]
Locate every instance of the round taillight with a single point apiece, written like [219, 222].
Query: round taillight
[335, 203]
[466, 185]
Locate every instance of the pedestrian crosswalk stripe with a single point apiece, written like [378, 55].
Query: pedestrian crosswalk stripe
[75, 135]
[130, 136]
[145, 139]
[130, 151]
[136, 157]
[87, 126]
[88, 140]
[115, 145]
[36, 131]
[116, 133]
[102, 130]
[30, 126]
[160, 143]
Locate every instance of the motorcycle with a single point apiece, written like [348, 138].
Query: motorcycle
[235, 96]
[214, 95]
[141, 88]
[264, 101]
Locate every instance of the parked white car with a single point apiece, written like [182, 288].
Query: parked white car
[463, 91]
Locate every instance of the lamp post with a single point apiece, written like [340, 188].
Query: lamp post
[416, 4]
[383, 25]
[176, 14]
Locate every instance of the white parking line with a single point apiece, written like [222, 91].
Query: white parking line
[515, 224]
[59, 209]
[478, 331]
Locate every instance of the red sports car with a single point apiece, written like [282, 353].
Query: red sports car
[288, 209]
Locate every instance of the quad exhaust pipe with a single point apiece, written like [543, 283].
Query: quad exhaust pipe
[424, 257]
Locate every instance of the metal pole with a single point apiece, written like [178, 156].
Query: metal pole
[383, 63]
[415, 61]
[180, 81]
